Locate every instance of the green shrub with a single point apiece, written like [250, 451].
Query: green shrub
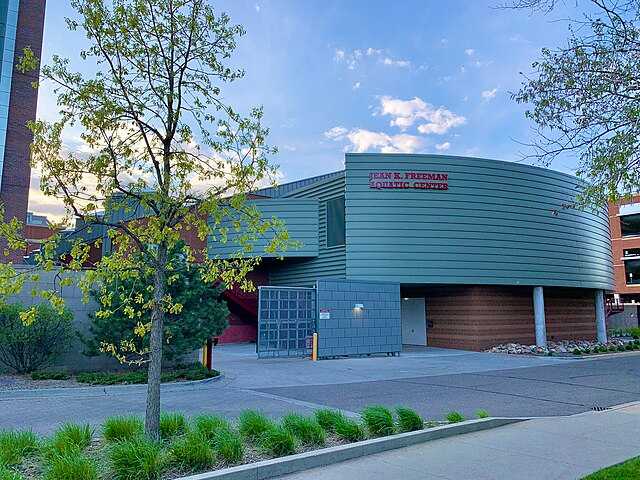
[277, 441]
[349, 430]
[328, 419]
[172, 424]
[137, 459]
[378, 420]
[44, 375]
[71, 437]
[26, 348]
[621, 348]
[112, 378]
[636, 345]
[408, 420]
[455, 417]
[628, 346]
[6, 474]
[228, 446]
[208, 425]
[613, 348]
[482, 414]
[15, 446]
[253, 424]
[117, 429]
[577, 351]
[305, 429]
[192, 451]
[71, 465]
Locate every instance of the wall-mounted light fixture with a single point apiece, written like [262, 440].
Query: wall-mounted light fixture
[358, 307]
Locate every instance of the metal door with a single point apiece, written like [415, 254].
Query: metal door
[286, 321]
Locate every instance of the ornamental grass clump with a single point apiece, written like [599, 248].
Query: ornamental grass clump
[6, 474]
[171, 425]
[349, 430]
[228, 446]
[209, 425]
[15, 446]
[118, 429]
[71, 465]
[328, 419]
[379, 420]
[408, 420]
[253, 424]
[192, 451]
[455, 417]
[69, 438]
[137, 459]
[277, 441]
[482, 414]
[305, 429]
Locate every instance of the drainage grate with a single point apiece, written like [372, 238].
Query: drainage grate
[597, 408]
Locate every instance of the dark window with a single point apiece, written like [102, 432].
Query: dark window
[335, 222]
[630, 225]
[632, 271]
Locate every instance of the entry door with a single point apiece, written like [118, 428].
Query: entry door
[414, 321]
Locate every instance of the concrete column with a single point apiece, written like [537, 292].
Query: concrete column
[538, 314]
[601, 325]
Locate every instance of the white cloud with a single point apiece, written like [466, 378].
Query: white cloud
[373, 51]
[406, 113]
[257, 7]
[441, 147]
[396, 63]
[336, 133]
[470, 51]
[362, 140]
[356, 85]
[489, 94]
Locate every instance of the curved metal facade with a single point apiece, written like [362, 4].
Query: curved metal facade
[496, 223]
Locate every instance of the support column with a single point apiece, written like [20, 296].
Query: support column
[601, 325]
[538, 314]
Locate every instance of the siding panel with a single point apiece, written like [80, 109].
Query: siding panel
[499, 223]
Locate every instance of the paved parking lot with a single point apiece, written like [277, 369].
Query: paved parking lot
[433, 381]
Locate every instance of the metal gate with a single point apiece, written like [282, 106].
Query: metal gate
[286, 321]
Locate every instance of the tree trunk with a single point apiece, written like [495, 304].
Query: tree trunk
[152, 417]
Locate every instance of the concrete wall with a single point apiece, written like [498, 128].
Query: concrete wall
[497, 223]
[374, 329]
[626, 319]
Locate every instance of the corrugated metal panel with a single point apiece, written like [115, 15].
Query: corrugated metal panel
[330, 262]
[286, 188]
[498, 223]
[300, 217]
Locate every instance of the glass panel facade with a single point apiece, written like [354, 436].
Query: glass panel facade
[630, 225]
[8, 27]
[335, 222]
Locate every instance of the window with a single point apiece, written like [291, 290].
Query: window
[335, 222]
[630, 225]
[632, 272]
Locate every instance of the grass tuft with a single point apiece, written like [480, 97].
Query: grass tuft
[228, 446]
[72, 465]
[171, 425]
[192, 451]
[6, 474]
[482, 414]
[408, 420]
[305, 429]
[455, 417]
[253, 424]
[137, 459]
[379, 420]
[328, 418]
[277, 441]
[69, 438]
[15, 446]
[208, 425]
[118, 429]
[47, 375]
[349, 430]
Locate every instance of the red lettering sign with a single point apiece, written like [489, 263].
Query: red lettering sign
[409, 180]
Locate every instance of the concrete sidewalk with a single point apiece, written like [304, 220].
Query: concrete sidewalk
[562, 448]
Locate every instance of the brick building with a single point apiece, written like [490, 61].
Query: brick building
[21, 26]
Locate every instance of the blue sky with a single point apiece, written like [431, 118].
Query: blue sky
[353, 75]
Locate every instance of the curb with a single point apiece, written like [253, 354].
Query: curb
[327, 456]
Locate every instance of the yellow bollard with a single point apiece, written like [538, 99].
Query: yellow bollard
[314, 348]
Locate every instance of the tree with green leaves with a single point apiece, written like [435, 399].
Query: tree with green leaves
[165, 155]
[585, 97]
